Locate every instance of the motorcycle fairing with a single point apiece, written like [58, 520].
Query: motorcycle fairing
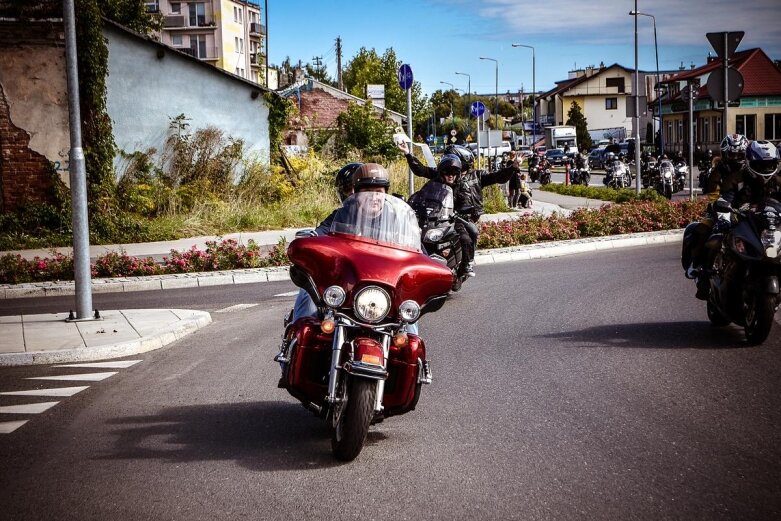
[349, 261]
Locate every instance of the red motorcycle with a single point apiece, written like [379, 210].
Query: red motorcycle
[356, 363]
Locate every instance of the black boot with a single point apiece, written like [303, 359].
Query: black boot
[703, 287]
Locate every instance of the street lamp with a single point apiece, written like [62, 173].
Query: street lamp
[453, 88]
[468, 98]
[496, 100]
[658, 85]
[534, 91]
[636, 92]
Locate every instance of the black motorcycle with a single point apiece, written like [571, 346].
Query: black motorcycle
[617, 175]
[433, 205]
[743, 266]
[545, 175]
[580, 175]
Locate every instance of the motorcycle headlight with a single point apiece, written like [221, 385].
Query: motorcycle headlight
[334, 296]
[371, 304]
[668, 175]
[771, 241]
[434, 234]
[409, 311]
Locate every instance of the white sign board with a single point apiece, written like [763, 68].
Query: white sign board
[375, 91]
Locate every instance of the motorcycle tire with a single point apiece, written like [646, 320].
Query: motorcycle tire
[350, 432]
[668, 192]
[714, 315]
[585, 179]
[760, 311]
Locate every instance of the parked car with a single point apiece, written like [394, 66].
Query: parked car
[555, 156]
[595, 159]
[503, 150]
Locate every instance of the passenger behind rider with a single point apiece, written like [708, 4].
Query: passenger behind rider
[468, 193]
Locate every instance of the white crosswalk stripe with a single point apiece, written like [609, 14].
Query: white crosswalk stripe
[28, 408]
[58, 391]
[122, 364]
[236, 307]
[9, 427]
[87, 377]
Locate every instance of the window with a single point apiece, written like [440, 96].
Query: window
[152, 6]
[717, 128]
[198, 45]
[611, 103]
[197, 14]
[240, 15]
[706, 137]
[679, 130]
[236, 43]
[773, 127]
[241, 44]
[176, 40]
[746, 124]
[668, 134]
[176, 8]
[615, 82]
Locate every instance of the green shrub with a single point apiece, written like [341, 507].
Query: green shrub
[602, 193]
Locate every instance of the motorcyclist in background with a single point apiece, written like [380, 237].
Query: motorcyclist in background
[729, 176]
[468, 193]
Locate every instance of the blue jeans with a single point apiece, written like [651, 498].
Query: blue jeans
[304, 307]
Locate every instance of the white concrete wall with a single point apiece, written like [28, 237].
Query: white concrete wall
[145, 92]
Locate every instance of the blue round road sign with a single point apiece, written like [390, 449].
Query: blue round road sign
[478, 108]
[405, 76]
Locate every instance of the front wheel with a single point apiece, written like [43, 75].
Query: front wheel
[714, 315]
[668, 191]
[585, 179]
[350, 431]
[760, 310]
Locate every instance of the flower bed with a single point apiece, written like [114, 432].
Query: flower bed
[613, 219]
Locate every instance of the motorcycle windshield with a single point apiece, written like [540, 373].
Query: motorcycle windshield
[433, 201]
[666, 168]
[380, 217]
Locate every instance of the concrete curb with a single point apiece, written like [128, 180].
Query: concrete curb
[156, 340]
[247, 276]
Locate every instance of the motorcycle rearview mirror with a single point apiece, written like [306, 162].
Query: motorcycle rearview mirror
[309, 232]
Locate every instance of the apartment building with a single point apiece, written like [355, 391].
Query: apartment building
[229, 34]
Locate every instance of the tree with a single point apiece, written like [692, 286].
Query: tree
[576, 118]
[360, 129]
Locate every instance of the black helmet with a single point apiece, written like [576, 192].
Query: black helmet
[344, 179]
[464, 154]
[369, 175]
[450, 164]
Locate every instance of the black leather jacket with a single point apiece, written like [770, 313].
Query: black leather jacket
[468, 192]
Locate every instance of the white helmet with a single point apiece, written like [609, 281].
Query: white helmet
[762, 160]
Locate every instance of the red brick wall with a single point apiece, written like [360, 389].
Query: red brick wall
[320, 108]
[24, 174]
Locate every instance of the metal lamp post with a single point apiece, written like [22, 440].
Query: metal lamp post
[496, 99]
[468, 99]
[453, 88]
[637, 110]
[534, 91]
[658, 86]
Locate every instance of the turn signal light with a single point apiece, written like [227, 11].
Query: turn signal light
[400, 339]
[327, 326]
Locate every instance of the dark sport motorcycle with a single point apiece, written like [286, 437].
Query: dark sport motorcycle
[356, 363]
[743, 268]
[433, 206]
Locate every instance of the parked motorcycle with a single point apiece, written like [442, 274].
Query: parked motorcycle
[617, 175]
[744, 267]
[433, 206]
[356, 363]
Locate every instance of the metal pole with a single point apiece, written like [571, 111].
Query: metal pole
[265, 39]
[468, 100]
[725, 66]
[409, 133]
[691, 139]
[496, 97]
[78, 175]
[658, 92]
[534, 100]
[637, 112]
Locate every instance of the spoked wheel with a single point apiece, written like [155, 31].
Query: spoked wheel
[352, 425]
[760, 309]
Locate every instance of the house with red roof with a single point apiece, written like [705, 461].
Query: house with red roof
[757, 114]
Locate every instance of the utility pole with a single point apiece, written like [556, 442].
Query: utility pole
[339, 63]
[318, 61]
[265, 39]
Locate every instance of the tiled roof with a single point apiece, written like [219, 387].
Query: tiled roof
[761, 77]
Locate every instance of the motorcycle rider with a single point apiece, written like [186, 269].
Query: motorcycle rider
[468, 193]
[534, 162]
[304, 307]
[727, 174]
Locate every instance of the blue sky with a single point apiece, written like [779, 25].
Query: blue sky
[439, 37]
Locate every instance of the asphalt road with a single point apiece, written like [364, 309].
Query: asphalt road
[584, 387]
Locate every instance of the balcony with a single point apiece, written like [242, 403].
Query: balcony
[256, 59]
[256, 29]
[173, 21]
[201, 52]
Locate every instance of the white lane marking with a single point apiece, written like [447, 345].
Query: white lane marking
[122, 364]
[236, 307]
[288, 294]
[58, 391]
[30, 408]
[9, 427]
[87, 377]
